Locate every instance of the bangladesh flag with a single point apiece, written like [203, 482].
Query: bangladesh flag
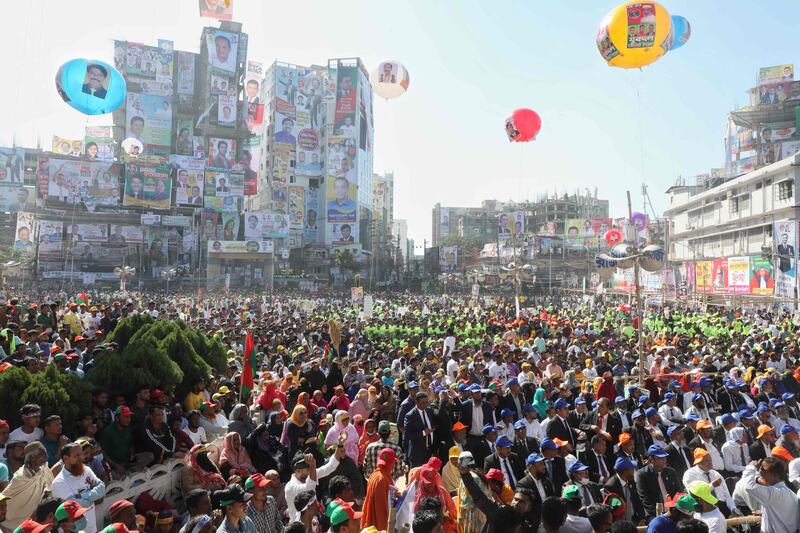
[249, 370]
[82, 299]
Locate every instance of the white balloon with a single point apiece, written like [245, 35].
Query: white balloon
[132, 147]
[390, 79]
[652, 259]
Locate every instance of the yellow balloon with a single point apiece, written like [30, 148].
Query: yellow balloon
[634, 34]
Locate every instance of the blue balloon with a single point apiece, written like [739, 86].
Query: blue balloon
[90, 86]
[681, 31]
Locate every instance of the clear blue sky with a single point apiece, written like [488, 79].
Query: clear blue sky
[471, 63]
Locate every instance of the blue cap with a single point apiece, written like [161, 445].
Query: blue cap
[474, 388]
[772, 402]
[671, 430]
[503, 441]
[762, 409]
[778, 405]
[632, 388]
[438, 389]
[746, 415]
[636, 414]
[489, 428]
[788, 428]
[534, 458]
[561, 403]
[623, 463]
[694, 384]
[675, 383]
[620, 399]
[728, 418]
[731, 385]
[413, 385]
[761, 381]
[511, 382]
[643, 400]
[519, 424]
[657, 451]
[527, 408]
[548, 444]
[580, 401]
[696, 396]
[594, 404]
[650, 412]
[577, 466]
[462, 387]
[669, 396]
[741, 383]
[705, 381]
[506, 412]
[787, 396]
[693, 416]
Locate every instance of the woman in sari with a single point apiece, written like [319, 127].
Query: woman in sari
[270, 393]
[201, 473]
[360, 405]
[263, 448]
[429, 484]
[369, 436]
[343, 425]
[234, 458]
[304, 399]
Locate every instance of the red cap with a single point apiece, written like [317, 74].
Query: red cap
[29, 526]
[80, 338]
[458, 426]
[117, 527]
[55, 349]
[119, 506]
[496, 475]
[124, 410]
[4, 367]
[386, 457]
[71, 510]
[3, 424]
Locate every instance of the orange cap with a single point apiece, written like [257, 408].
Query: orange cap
[763, 429]
[560, 442]
[703, 424]
[699, 453]
[624, 437]
[783, 453]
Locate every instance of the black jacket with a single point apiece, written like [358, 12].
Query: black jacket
[613, 425]
[516, 462]
[614, 485]
[557, 429]
[675, 461]
[589, 458]
[649, 491]
[525, 447]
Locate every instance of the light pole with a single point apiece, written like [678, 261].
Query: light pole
[168, 275]
[124, 273]
[516, 269]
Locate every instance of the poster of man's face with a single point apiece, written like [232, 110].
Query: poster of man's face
[95, 81]
[388, 72]
[223, 48]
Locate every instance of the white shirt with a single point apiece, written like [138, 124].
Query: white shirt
[794, 470]
[197, 437]
[452, 370]
[449, 345]
[717, 462]
[294, 486]
[533, 429]
[714, 519]
[779, 509]
[732, 456]
[18, 434]
[695, 473]
[668, 414]
[68, 487]
[499, 372]
[576, 524]
[477, 420]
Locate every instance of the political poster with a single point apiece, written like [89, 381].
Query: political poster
[51, 238]
[12, 165]
[73, 182]
[224, 190]
[165, 62]
[448, 257]
[226, 111]
[87, 232]
[189, 182]
[574, 231]
[15, 198]
[98, 143]
[777, 131]
[342, 182]
[208, 223]
[775, 93]
[511, 224]
[310, 229]
[223, 50]
[719, 280]
[703, 276]
[254, 77]
[255, 117]
[216, 9]
[739, 275]
[265, 224]
[762, 281]
[148, 184]
[789, 148]
[641, 25]
[70, 147]
[185, 76]
[286, 84]
[250, 164]
[285, 124]
[774, 74]
[230, 226]
[281, 164]
[221, 152]
[123, 234]
[344, 124]
[785, 236]
[308, 153]
[25, 234]
[183, 137]
[149, 119]
[444, 222]
[343, 234]
[296, 199]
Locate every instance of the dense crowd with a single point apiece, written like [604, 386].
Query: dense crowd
[433, 414]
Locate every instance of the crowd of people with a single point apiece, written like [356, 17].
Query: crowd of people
[430, 414]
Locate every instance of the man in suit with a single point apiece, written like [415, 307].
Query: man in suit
[642, 437]
[458, 438]
[514, 399]
[504, 460]
[96, 76]
[418, 430]
[603, 422]
[558, 428]
[785, 254]
[195, 198]
[728, 397]
[536, 481]
[762, 447]
[680, 456]
[476, 413]
[590, 491]
[627, 450]
[596, 459]
[624, 416]
[622, 484]
[578, 416]
[705, 441]
[523, 445]
[656, 482]
[483, 448]
[555, 465]
[405, 407]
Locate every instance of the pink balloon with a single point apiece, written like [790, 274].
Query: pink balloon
[523, 125]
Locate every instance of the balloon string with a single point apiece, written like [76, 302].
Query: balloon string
[641, 129]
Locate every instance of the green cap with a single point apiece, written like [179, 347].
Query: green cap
[686, 504]
[332, 506]
[384, 427]
[343, 513]
[570, 492]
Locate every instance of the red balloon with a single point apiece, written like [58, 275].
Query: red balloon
[613, 237]
[523, 125]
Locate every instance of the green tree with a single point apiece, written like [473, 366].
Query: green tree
[465, 244]
[60, 394]
[13, 382]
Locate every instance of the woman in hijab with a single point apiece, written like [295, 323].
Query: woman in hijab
[240, 421]
[369, 436]
[263, 448]
[304, 399]
[343, 424]
[360, 404]
[270, 393]
[297, 431]
[386, 405]
[372, 397]
[201, 472]
[335, 377]
[735, 451]
[540, 403]
[429, 484]
[275, 425]
[234, 458]
[318, 400]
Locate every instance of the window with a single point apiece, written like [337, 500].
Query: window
[785, 190]
[733, 205]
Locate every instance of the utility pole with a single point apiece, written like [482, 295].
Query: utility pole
[639, 310]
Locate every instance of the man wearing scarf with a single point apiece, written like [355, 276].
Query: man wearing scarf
[27, 487]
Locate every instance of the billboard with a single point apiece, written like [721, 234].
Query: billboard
[775, 74]
[310, 229]
[224, 190]
[25, 234]
[149, 119]
[761, 278]
[344, 124]
[444, 222]
[87, 232]
[285, 124]
[775, 93]
[12, 165]
[148, 184]
[51, 238]
[240, 247]
[265, 224]
[221, 152]
[344, 233]
[448, 257]
[223, 49]
[226, 111]
[98, 143]
[183, 138]
[286, 84]
[703, 276]
[309, 161]
[250, 162]
[16, 198]
[230, 226]
[71, 182]
[71, 147]
[189, 180]
[785, 235]
[777, 131]
[342, 182]
[297, 201]
[509, 224]
[739, 275]
[122, 234]
[719, 280]
[254, 77]
[185, 75]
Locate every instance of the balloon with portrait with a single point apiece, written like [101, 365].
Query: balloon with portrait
[613, 237]
[634, 34]
[132, 147]
[523, 125]
[639, 221]
[92, 87]
[681, 31]
[389, 79]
